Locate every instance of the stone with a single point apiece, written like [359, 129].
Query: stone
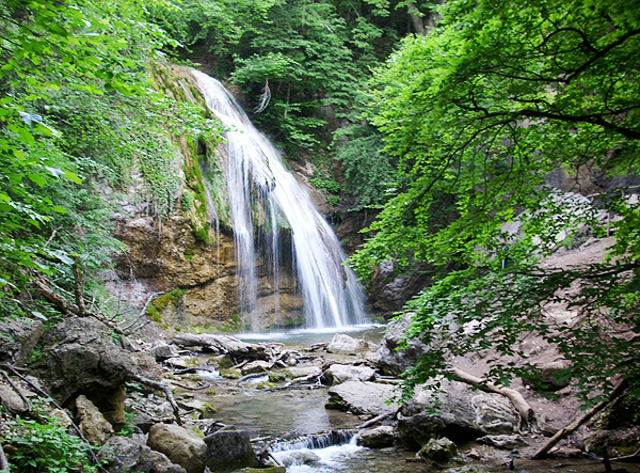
[258, 366]
[80, 357]
[183, 447]
[455, 411]
[303, 371]
[338, 373]
[164, 351]
[160, 463]
[18, 339]
[439, 451]
[124, 455]
[229, 450]
[505, 442]
[388, 358]
[11, 400]
[95, 428]
[271, 469]
[346, 345]
[297, 457]
[362, 398]
[380, 437]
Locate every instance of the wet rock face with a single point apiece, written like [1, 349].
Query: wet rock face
[391, 289]
[362, 398]
[163, 256]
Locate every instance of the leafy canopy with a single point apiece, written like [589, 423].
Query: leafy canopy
[480, 112]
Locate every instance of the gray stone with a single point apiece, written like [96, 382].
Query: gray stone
[347, 345]
[164, 351]
[303, 371]
[297, 457]
[362, 397]
[338, 373]
[18, 339]
[258, 366]
[229, 450]
[455, 411]
[183, 447]
[160, 463]
[439, 451]
[95, 428]
[506, 442]
[123, 455]
[79, 357]
[380, 437]
[12, 400]
[388, 358]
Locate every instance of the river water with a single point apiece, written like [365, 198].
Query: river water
[299, 413]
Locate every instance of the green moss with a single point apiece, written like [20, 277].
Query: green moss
[157, 306]
[231, 374]
[266, 385]
[276, 377]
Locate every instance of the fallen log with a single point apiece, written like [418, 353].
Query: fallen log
[165, 389]
[223, 344]
[527, 414]
[618, 391]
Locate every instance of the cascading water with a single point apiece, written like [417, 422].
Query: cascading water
[264, 199]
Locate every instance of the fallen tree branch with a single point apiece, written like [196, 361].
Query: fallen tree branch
[24, 399]
[527, 414]
[618, 391]
[165, 389]
[633, 458]
[376, 420]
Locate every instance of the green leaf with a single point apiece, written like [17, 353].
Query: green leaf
[73, 177]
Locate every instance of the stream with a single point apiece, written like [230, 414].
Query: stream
[308, 438]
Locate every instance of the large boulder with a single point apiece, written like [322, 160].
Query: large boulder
[79, 357]
[339, 373]
[18, 339]
[183, 447]
[362, 398]
[388, 358]
[229, 450]
[439, 451]
[457, 412]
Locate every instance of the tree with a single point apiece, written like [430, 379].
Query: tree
[479, 112]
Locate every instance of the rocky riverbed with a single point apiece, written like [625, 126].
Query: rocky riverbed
[211, 401]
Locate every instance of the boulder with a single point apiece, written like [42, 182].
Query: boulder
[439, 451]
[346, 345]
[362, 397]
[95, 428]
[297, 457]
[388, 358]
[229, 450]
[12, 401]
[338, 373]
[183, 447]
[257, 366]
[164, 351]
[160, 463]
[303, 371]
[455, 411]
[79, 357]
[123, 455]
[18, 339]
[380, 437]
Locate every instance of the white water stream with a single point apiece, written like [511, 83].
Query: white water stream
[264, 199]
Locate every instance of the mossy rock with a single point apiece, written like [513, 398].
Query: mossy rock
[231, 374]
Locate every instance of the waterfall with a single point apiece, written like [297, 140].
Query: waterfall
[266, 202]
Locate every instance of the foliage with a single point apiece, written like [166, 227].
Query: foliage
[369, 172]
[479, 112]
[46, 447]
